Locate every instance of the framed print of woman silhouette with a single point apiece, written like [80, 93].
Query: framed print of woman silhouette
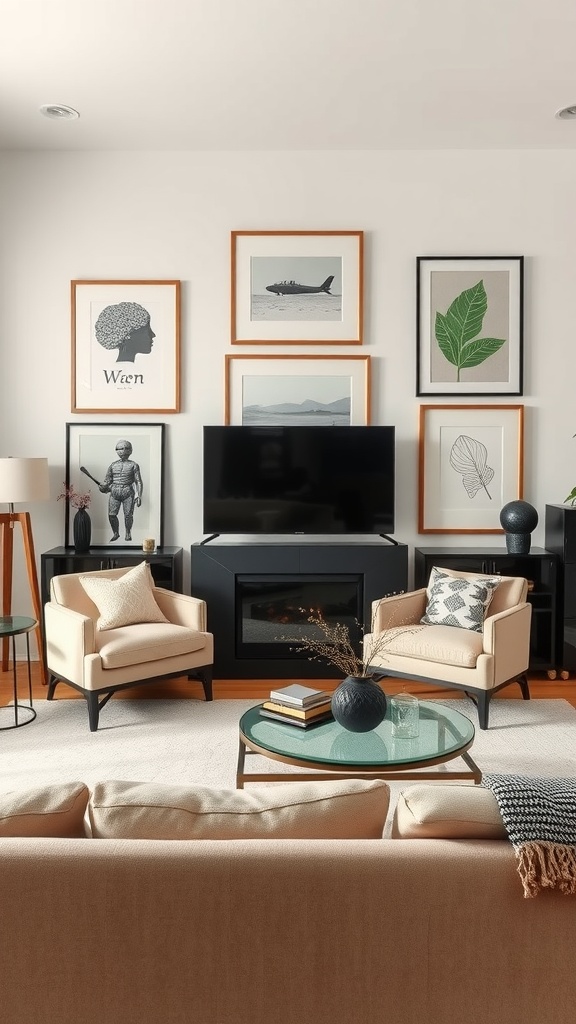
[125, 346]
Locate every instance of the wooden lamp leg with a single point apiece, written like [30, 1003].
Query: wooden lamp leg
[8, 521]
[7, 552]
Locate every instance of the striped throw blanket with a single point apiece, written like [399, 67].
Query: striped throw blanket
[540, 817]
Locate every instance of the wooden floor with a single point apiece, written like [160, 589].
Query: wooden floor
[540, 687]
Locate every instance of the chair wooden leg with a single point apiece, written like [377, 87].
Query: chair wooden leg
[483, 705]
[52, 684]
[93, 710]
[524, 687]
[205, 677]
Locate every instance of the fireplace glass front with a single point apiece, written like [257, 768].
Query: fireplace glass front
[272, 612]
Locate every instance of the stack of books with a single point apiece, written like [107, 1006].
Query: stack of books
[298, 705]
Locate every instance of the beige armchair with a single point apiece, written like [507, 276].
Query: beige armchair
[98, 662]
[451, 656]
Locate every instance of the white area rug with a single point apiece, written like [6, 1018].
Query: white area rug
[189, 741]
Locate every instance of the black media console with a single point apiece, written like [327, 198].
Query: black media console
[255, 593]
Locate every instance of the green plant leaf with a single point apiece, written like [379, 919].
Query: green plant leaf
[477, 351]
[455, 331]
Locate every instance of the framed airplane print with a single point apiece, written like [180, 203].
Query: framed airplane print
[297, 287]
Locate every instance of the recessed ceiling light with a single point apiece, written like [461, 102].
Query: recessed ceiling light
[567, 112]
[59, 112]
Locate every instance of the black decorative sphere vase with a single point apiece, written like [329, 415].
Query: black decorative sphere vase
[82, 529]
[518, 518]
[358, 704]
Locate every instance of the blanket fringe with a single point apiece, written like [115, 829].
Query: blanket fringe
[545, 865]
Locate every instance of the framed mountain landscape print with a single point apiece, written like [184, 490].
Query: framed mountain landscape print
[469, 325]
[470, 464]
[302, 390]
[296, 287]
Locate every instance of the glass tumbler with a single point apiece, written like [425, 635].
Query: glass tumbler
[404, 713]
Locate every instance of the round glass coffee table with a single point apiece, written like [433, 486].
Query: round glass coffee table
[333, 752]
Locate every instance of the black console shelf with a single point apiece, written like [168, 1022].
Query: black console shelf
[539, 567]
[165, 564]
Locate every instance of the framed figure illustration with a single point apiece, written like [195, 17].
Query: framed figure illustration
[469, 325]
[470, 465]
[121, 468]
[125, 346]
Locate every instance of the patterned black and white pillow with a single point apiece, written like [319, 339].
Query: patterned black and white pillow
[453, 601]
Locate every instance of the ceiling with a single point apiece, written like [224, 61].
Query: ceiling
[288, 74]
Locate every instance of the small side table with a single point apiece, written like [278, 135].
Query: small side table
[13, 626]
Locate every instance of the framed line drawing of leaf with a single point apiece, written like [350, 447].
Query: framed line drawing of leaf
[470, 464]
[469, 325]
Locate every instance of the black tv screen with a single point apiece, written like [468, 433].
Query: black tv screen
[292, 480]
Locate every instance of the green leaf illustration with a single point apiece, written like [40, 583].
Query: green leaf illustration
[457, 329]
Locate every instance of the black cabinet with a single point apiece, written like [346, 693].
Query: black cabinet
[539, 567]
[165, 564]
[560, 534]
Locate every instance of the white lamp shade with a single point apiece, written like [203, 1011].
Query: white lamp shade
[23, 480]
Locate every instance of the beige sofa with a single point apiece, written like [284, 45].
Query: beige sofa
[269, 930]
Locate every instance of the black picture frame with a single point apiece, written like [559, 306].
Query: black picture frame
[469, 325]
[90, 455]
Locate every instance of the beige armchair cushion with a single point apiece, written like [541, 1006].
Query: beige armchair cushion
[143, 642]
[123, 601]
[55, 811]
[343, 809]
[444, 811]
[446, 645]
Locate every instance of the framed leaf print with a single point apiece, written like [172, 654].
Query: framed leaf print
[469, 325]
[470, 464]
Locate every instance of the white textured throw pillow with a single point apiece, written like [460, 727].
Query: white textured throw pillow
[124, 601]
[453, 601]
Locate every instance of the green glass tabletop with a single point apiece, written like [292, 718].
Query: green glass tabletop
[11, 625]
[442, 731]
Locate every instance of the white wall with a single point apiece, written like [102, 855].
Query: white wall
[169, 215]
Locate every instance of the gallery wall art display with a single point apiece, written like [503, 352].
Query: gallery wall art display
[470, 465]
[299, 390]
[121, 467]
[297, 287]
[125, 346]
[469, 325]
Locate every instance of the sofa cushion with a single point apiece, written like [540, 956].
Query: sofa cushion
[50, 811]
[125, 600]
[344, 809]
[454, 601]
[143, 642]
[447, 811]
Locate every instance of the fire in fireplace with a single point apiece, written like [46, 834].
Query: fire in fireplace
[273, 612]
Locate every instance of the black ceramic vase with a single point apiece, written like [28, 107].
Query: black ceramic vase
[518, 518]
[82, 528]
[358, 704]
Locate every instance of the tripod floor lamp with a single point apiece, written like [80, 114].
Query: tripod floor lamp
[21, 480]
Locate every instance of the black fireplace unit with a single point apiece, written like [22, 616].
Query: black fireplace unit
[260, 597]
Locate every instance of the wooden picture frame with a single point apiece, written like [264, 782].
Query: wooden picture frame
[297, 389]
[93, 465]
[470, 464]
[469, 325]
[297, 287]
[125, 346]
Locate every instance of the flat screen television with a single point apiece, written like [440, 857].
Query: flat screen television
[299, 479]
